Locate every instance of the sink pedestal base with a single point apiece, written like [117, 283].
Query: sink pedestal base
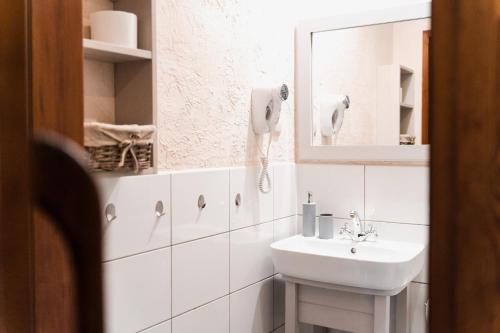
[349, 309]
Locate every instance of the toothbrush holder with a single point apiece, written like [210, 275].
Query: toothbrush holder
[325, 226]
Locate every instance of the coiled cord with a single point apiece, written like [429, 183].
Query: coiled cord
[264, 173]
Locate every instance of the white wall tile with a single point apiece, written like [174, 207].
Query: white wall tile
[337, 189]
[397, 194]
[210, 318]
[251, 255]
[136, 228]
[418, 297]
[200, 272]
[284, 228]
[255, 207]
[279, 301]
[285, 190]
[165, 327]
[251, 309]
[188, 221]
[137, 291]
[300, 224]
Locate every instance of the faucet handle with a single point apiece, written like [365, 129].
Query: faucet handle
[353, 214]
[372, 230]
[346, 230]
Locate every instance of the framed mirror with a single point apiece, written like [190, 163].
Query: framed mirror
[361, 87]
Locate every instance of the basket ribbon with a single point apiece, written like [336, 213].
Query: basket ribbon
[126, 146]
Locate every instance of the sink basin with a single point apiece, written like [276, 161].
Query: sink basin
[377, 265]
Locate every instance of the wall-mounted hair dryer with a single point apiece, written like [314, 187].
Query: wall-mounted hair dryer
[332, 115]
[266, 110]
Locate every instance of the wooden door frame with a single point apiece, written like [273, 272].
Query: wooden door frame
[57, 90]
[465, 126]
[465, 167]
[41, 84]
[426, 38]
[16, 269]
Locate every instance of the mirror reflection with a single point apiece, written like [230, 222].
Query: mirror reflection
[370, 84]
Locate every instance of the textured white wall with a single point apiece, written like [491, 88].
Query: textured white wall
[210, 55]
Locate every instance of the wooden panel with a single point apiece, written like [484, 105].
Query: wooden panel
[143, 9]
[57, 87]
[57, 67]
[337, 299]
[134, 93]
[350, 321]
[382, 314]
[291, 308]
[16, 288]
[425, 86]
[465, 182]
[55, 302]
[108, 52]
[59, 169]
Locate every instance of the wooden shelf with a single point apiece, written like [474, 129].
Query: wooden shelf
[395, 103]
[107, 52]
[406, 70]
[406, 106]
[121, 83]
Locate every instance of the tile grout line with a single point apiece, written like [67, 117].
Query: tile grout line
[221, 297]
[364, 192]
[154, 325]
[274, 236]
[229, 257]
[380, 221]
[171, 255]
[274, 220]
[171, 246]
[189, 241]
[403, 223]
[136, 254]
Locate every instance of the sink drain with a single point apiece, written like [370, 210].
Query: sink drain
[353, 250]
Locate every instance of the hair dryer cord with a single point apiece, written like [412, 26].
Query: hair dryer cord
[264, 173]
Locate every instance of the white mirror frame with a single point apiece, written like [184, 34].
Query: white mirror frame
[306, 151]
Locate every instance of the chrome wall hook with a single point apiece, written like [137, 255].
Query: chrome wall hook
[201, 202]
[110, 212]
[159, 209]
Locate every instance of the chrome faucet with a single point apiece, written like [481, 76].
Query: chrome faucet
[357, 232]
[357, 227]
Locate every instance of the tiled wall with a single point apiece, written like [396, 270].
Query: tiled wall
[394, 199]
[196, 270]
[210, 270]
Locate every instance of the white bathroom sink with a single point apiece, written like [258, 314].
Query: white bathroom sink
[376, 265]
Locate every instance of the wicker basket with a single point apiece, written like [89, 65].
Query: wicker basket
[119, 147]
[406, 139]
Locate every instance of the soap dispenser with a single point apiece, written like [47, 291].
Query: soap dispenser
[309, 217]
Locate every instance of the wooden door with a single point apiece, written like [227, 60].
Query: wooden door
[465, 167]
[426, 38]
[57, 88]
[50, 273]
[16, 270]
